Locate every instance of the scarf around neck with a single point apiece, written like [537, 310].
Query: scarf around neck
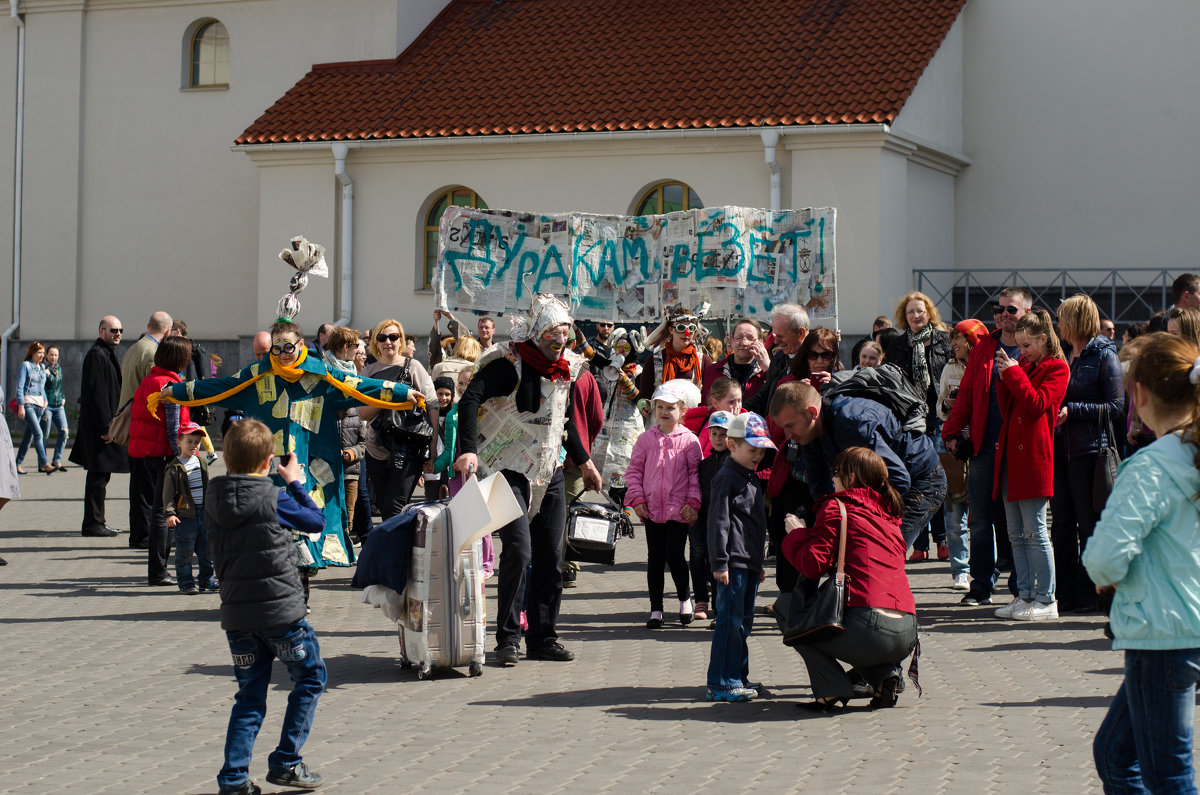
[681, 364]
[920, 364]
[557, 370]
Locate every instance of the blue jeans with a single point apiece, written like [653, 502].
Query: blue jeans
[33, 433]
[296, 647]
[192, 536]
[957, 537]
[979, 522]
[1145, 741]
[1032, 555]
[921, 502]
[729, 661]
[57, 415]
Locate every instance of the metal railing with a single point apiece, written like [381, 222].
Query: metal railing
[1127, 295]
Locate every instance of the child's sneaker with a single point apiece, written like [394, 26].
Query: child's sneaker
[297, 776]
[961, 582]
[210, 586]
[191, 590]
[701, 612]
[1010, 609]
[1036, 611]
[734, 694]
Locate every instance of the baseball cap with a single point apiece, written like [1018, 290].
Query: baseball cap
[188, 428]
[752, 428]
[719, 419]
[678, 390]
[972, 329]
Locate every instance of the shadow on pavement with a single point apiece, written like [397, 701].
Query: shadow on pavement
[1063, 701]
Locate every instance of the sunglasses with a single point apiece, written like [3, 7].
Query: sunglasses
[115, 330]
[825, 356]
[602, 323]
[683, 328]
[387, 337]
[283, 348]
[997, 309]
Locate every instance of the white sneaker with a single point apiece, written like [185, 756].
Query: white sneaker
[1010, 609]
[961, 582]
[1036, 611]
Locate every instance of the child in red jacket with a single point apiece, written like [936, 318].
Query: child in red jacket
[1030, 392]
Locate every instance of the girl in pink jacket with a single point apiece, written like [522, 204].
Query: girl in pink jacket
[664, 491]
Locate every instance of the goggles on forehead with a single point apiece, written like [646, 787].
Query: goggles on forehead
[685, 328]
[283, 348]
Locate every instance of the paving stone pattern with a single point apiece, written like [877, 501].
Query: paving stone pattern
[112, 686]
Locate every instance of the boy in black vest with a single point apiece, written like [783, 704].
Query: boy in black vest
[262, 603]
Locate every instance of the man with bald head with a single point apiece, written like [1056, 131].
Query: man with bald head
[261, 345]
[135, 366]
[99, 393]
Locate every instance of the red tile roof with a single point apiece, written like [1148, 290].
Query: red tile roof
[552, 66]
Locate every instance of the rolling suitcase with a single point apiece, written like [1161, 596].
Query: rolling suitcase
[443, 623]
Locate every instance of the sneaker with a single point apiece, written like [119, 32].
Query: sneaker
[568, 578]
[701, 611]
[1037, 611]
[734, 694]
[974, 600]
[508, 655]
[211, 585]
[248, 787]
[550, 650]
[918, 555]
[297, 776]
[943, 552]
[1009, 610]
[961, 582]
[191, 590]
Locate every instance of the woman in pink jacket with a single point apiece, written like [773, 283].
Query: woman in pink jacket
[664, 491]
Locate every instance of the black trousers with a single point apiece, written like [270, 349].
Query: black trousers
[793, 498]
[535, 540]
[665, 543]
[95, 489]
[1074, 522]
[146, 512]
[393, 481]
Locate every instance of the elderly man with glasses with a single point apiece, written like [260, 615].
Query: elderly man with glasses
[99, 399]
[746, 363]
[978, 410]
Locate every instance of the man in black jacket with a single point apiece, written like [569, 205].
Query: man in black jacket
[99, 393]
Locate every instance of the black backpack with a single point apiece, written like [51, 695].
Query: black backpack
[886, 385]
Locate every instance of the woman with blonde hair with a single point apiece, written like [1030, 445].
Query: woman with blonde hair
[465, 353]
[1091, 406]
[1184, 323]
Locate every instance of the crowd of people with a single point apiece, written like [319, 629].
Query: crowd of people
[740, 448]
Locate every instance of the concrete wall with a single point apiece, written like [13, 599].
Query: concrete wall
[1078, 117]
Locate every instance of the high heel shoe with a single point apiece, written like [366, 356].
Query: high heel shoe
[823, 707]
[49, 469]
[888, 695]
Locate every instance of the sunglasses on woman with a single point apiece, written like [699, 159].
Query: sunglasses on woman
[683, 328]
[825, 356]
[997, 309]
[387, 337]
[283, 348]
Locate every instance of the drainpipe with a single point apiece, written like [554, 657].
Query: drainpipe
[347, 256]
[770, 138]
[17, 192]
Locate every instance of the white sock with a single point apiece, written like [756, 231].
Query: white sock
[656, 614]
[685, 607]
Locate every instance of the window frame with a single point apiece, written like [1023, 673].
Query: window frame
[655, 191]
[424, 276]
[191, 39]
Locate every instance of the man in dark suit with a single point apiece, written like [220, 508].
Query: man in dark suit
[99, 396]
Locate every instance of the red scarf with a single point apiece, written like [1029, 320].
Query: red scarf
[557, 370]
[681, 364]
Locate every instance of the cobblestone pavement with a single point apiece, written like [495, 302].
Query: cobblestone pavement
[112, 686]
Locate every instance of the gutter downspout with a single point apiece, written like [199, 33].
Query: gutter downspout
[17, 192]
[770, 138]
[346, 258]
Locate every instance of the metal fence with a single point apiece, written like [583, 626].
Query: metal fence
[1127, 295]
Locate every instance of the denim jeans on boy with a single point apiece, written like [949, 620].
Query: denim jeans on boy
[33, 434]
[1145, 741]
[729, 660]
[979, 521]
[957, 537]
[296, 647]
[192, 536]
[1032, 555]
[57, 416]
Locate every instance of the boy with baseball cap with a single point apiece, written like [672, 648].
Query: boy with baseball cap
[184, 485]
[737, 529]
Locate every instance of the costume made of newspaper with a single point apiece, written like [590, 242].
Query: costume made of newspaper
[622, 421]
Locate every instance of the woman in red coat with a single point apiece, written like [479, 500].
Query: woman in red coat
[880, 619]
[153, 440]
[1030, 392]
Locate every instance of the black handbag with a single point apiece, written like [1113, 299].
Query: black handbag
[1106, 465]
[403, 428]
[814, 614]
[593, 529]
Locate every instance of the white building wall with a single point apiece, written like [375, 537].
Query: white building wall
[933, 112]
[1079, 118]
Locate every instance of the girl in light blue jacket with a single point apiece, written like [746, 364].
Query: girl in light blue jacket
[1146, 552]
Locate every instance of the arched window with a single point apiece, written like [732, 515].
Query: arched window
[206, 55]
[667, 197]
[455, 197]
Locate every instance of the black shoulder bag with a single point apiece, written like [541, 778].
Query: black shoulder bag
[814, 614]
[1106, 464]
[394, 427]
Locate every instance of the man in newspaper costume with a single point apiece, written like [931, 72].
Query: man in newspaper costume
[516, 417]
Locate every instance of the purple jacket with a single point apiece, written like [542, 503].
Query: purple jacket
[664, 473]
